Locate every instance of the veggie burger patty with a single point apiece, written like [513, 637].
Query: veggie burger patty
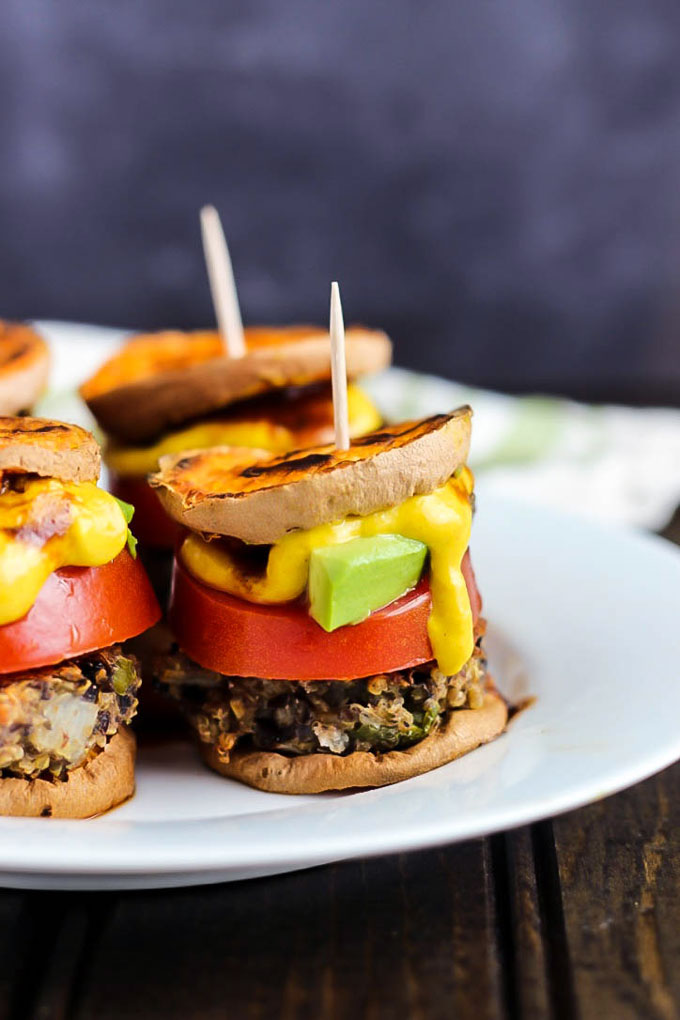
[56, 718]
[378, 713]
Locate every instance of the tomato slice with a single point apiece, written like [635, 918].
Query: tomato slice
[79, 610]
[151, 525]
[282, 642]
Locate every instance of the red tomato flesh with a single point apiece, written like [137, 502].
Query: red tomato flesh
[79, 610]
[282, 642]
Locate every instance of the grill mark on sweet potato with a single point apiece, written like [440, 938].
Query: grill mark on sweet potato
[387, 435]
[7, 357]
[202, 482]
[19, 343]
[13, 427]
[42, 429]
[285, 467]
[213, 472]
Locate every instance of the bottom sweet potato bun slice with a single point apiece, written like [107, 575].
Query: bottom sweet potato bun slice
[259, 498]
[105, 781]
[24, 365]
[463, 731]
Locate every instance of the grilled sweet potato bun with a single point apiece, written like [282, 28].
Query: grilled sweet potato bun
[24, 364]
[463, 731]
[104, 781]
[48, 448]
[160, 380]
[229, 491]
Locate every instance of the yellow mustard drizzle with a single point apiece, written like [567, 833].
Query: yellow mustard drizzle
[263, 435]
[441, 520]
[94, 532]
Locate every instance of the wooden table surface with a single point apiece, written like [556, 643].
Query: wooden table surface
[574, 917]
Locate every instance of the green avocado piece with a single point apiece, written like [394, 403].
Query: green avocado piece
[349, 581]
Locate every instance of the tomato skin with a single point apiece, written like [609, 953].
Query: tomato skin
[150, 524]
[282, 642]
[79, 610]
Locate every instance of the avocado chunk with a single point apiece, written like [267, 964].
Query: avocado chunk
[349, 581]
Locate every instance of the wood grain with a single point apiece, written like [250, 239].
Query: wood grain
[619, 869]
[412, 936]
[523, 940]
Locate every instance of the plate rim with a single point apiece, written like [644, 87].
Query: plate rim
[219, 856]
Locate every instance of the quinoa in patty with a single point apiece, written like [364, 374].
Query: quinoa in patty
[55, 718]
[379, 713]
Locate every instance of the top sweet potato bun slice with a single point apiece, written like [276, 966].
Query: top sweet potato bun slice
[24, 364]
[49, 448]
[259, 498]
[161, 380]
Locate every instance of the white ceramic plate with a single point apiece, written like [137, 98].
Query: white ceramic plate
[584, 618]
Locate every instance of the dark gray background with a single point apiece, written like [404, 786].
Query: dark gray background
[496, 183]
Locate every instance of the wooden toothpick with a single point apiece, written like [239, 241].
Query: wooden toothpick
[222, 284]
[339, 371]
